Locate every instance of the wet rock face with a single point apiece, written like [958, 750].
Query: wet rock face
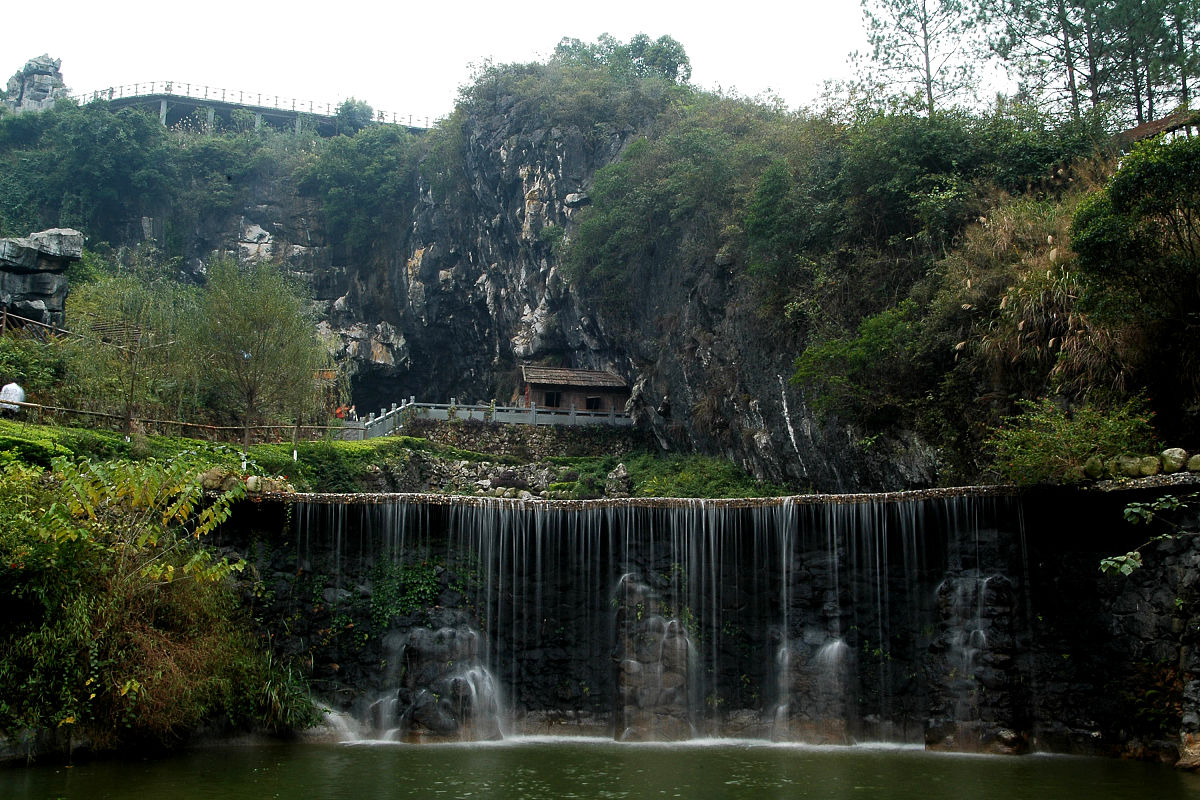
[478, 288]
[977, 699]
[651, 667]
[446, 692]
[946, 621]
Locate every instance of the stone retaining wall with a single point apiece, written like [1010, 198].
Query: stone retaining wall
[528, 442]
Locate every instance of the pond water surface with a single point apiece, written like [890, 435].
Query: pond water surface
[539, 768]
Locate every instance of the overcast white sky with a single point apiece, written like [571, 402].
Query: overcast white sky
[409, 57]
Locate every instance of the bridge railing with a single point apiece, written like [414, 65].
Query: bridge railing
[202, 92]
[390, 420]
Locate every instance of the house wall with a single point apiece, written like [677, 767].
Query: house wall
[608, 399]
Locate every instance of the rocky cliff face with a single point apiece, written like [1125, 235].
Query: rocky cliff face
[467, 285]
[480, 290]
[473, 287]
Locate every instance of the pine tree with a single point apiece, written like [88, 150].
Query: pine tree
[924, 44]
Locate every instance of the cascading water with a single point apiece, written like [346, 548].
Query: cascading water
[654, 657]
[644, 620]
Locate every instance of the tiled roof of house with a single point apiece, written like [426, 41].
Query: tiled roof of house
[558, 376]
[1171, 122]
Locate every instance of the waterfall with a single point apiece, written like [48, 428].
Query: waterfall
[791, 619]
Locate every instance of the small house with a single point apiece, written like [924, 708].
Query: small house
[585, 389]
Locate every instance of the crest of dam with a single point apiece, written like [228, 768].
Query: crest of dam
[969, 620]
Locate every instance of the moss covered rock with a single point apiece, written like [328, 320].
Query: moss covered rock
[1128, 467]
[1174, 459]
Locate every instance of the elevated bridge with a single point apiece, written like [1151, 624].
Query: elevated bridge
[175, 102]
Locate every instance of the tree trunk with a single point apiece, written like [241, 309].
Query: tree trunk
[1068, 57]
[925, 47]
[1093, 57]
[1135, 76]
[1181, 56]
[247, 422]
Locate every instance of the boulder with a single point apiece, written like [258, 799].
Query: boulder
[1094, 468]
[618, 482]
[1129, 466]
[1173, 459]
[1149, 465]
[214, 478]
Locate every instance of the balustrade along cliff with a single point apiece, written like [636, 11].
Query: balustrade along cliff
[967, 620]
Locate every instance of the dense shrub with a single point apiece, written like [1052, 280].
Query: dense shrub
[1138, 241]
[1050, 444]
[120, 624]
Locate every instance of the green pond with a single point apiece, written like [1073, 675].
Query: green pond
[554, 769]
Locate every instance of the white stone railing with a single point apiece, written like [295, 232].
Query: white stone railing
[390, 420]
[238, 97]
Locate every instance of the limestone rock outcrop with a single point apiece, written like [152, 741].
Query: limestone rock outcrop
[473, 287]
[36, 86]
[33, 281]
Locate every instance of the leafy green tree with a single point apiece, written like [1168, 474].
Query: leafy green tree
[1139, 56]
[82, 167]
[866, 378]
[365, 183]
[667, 198]
[1163, 513]
[353, 115]
[1143, 230]
[133, 358]
[664, 56]
[642, 57]
[1183, 46]
[1046, 45]
[442, 159]
[257, 339]
[774, 221]
[1134, 55]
